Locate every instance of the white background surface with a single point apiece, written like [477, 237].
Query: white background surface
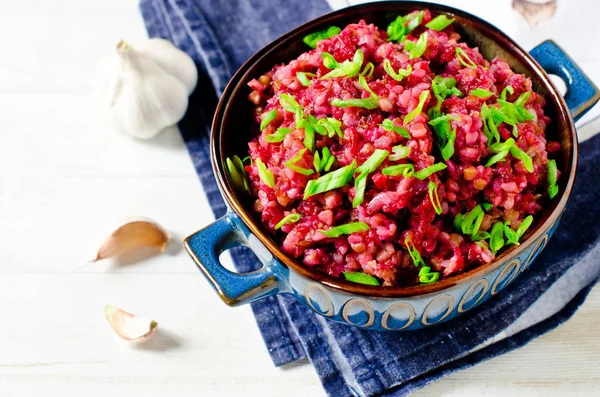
[65, 180]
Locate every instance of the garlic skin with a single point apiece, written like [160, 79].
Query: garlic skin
[129, 326]
[145, 89]
[132, 235]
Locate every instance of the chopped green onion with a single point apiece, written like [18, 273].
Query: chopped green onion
[413, 252]
[420, 47]
[426, 172]
[500, 156]
[323, 161]
[363, 83]
[329, 163]
[442, 87]
[447, 150]
[433, 197]
[330, 181]
[402, 26]
[367, 103]
[552, 191]
[360, 184]
[348, 228]
[347, 68]
[312, 39]
[497, 117]
[487, 206]
[502, 147]
[457, 222]
[464, 59]
[517, 114]
[417, 111]
[406, 170]
[374, 161]
[507, 113]
[429, 278]
[445, 86]
[361, 278]
[414, 20]
[368, 70]
[318, 127]
[468, 223]
[278, 135]
[267, 118]
[481, 93]
[265, 175]
[303, 78]
[508, 89]
[244, 159]
[240, 164]
[292, 166]
[329, 61]
[400, 152]
[290, 104]
[402, 73]
[442, 119]
[389, 125]
[237, 173]
[439, 23]
[424, 270]
[309, 134]
[501, 150]
[497, 237]
[523, 98]
[369, 166]
[518, 153]
[511, 235]
[477, 223]
[397, 29]
[489, 126]
[317, 161]
[291, 218]
[480, 235]
[524, 226]
[445, 136]
[552, 179]
[331, 127]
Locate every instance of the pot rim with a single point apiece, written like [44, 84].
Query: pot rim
[377, 291]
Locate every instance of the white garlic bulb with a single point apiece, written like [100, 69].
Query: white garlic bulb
[146, 89]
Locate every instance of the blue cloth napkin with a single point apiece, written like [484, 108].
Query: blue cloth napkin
[220, 36]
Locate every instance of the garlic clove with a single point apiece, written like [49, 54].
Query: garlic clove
[129, 326]
[173, 60]
[131, 236]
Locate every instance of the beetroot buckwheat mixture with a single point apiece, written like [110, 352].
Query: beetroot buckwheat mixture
[396, 157]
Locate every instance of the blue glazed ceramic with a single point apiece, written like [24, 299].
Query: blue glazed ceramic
[381, 308]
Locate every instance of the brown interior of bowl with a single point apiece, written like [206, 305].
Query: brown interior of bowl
[231, 130]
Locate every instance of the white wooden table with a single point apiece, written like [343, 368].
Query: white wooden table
[65, 180]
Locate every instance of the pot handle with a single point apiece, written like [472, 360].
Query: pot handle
[582, 93]
[235, 289]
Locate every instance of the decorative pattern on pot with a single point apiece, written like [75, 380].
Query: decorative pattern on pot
[508, 273]
[358, 312]
[398, 316]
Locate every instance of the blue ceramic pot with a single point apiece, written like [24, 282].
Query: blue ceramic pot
[381, 308]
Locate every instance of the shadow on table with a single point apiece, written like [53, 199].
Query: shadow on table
[162, 340]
